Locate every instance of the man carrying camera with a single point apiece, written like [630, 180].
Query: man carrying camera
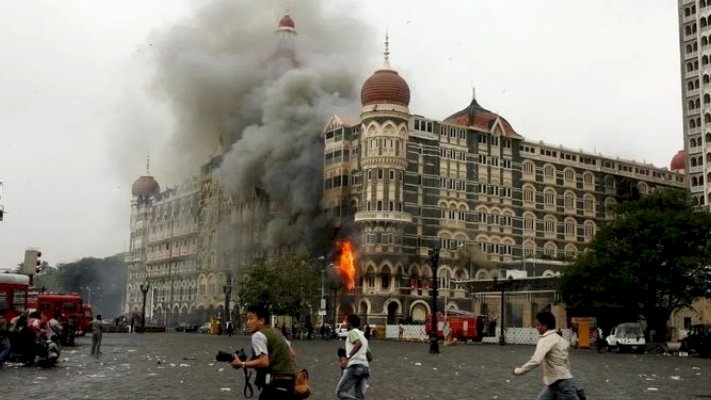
[273, 357]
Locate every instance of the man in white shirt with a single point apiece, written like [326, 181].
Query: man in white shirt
[552, 352]
[54, 326]
[357, 370]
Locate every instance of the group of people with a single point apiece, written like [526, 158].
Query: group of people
[275, 359]
[30, 339]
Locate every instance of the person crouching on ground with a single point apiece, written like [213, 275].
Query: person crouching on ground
[357, 371]
[552, 352]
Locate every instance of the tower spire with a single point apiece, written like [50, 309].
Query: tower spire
[148, 164]
[386, 53]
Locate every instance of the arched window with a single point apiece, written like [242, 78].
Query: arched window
[549, 223]
[693, 161]
[589, 204]
[589, 233]
[694, 182]
[708, 137]
[588, 179]
[706, 78]
[550, 249]
[529, 223]
[549, 172]
[528, 167]
[549, 197]
[529, 194]
[692, 142]
[691, 104]
[569, 176]
[642, 187]
[690, 85]
[570, 227]
[529, 248]
[385, 278]
[708, 157]
[569, 201]
[707, 98]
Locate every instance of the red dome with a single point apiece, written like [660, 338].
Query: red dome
[385, 86]
[678, 162]
[145, 185]
[286, 22]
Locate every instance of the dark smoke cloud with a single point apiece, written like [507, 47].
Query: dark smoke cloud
[214, 72]
[212, 68]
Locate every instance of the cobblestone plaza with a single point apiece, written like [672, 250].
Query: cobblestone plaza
[182, 366]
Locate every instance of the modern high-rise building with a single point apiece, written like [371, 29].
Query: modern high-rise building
[695, 50]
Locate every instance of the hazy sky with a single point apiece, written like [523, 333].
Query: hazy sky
[76, 98]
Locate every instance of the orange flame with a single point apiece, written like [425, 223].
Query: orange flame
[346, 263]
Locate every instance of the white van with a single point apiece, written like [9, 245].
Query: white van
[627, 336]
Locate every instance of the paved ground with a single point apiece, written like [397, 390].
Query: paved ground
[182, 366]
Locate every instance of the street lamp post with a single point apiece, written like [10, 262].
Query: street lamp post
[434, 340]
[227, 289]
[145, 287]
[502, 287]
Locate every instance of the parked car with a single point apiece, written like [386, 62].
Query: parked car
[627, 336]
[186, 327]
[204, 328]
[341, 331]
[698, 340]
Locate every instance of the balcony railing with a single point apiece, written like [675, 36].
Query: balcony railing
[394, 216]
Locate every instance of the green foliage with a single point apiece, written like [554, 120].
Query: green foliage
[651, 259]
[105, 278]
[287, 285]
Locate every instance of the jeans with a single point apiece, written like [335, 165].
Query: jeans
[96, 343]
[4, 349]
[563, 389]
[348, 381]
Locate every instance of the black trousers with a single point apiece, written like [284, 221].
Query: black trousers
[281, 387]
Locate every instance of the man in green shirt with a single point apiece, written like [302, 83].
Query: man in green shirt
[273, 357]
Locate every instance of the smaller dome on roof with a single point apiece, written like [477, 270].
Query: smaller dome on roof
[678, 162]
[286, 22]
[478, 117]
[145, 185]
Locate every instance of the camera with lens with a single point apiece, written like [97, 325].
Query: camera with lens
[225, 356]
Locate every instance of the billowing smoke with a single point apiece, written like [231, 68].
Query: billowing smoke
[221, 74]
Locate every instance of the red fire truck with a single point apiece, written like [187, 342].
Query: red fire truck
[13, 294]
[463, 325]
[75, 315]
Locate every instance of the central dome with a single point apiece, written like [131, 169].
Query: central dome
[385, 86]
[286, 22]
[145, 185]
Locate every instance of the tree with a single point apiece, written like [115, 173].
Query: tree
[288, 285]
[105, 279]
[650, 260]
